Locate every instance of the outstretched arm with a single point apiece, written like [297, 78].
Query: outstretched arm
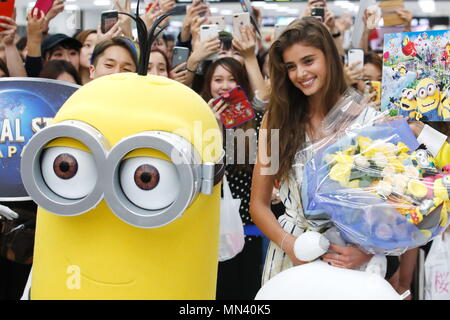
[14, 61]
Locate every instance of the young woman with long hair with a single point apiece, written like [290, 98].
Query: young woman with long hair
[239, 277]
[307, 80]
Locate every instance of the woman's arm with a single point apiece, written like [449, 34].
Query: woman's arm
[246, 47]
[14, 61]
[260, 200]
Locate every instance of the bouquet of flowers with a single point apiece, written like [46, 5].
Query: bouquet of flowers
[377, 187]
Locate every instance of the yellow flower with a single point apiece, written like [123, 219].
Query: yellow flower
[417, 188]
[363, 140]
[397, 164]
[403, 156]
[353, 184]
[350, 150]
[440, 191]
[343, 158]
[401, 147]
[341, 173]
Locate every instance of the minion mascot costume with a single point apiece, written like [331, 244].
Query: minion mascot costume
[127, 183]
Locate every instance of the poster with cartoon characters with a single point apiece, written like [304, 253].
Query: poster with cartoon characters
[416, 75]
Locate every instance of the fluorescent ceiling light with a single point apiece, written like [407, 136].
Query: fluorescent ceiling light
[427, 6]
[100, 3]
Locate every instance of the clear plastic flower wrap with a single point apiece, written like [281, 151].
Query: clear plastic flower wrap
[373, 183]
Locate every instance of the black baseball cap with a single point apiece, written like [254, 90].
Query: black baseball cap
[59, 39]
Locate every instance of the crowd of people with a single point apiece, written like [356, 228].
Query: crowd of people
[292, 85]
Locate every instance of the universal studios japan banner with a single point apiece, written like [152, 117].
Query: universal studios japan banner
[27, 105]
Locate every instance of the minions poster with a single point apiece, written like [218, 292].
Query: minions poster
[416, 75]
[26, 106]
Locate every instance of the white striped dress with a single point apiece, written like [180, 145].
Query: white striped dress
[292, 221]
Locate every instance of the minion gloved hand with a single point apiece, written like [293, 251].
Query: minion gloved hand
[7, 213]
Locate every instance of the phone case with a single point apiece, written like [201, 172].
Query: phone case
[6, 9]
[239, 20]
[44, 5]
[239, 111]
[207, 32]
[355, 55]
[219, 21]
[180, 55]
[279, 28]
[109, 19]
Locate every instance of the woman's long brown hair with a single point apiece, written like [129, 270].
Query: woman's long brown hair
[288, 108]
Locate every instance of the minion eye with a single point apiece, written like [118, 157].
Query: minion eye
[422, 93]
[431, 89]
[70, 173]
[149, 183]
[410, 95]
[405, 93]
[422, 158]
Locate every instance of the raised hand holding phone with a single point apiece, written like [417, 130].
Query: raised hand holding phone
[44, 5]
[6, 10]
[355, 56]
[209, 32]
[240, 20]
[180, 55]
[108, 20]
[9, 28]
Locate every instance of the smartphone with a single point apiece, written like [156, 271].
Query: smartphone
[239, 110]
[240, 20]
[207, 32]
[219, 21]
[6, 10]
[247, 7]
[318, 12]
[44, 5]
[180, 55]
[109, 19]
[355, 55]
[279, 28]
[373, 86]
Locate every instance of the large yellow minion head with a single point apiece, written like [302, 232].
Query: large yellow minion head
[428, 95]
[128, 205]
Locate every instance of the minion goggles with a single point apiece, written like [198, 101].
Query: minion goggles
[195, 177]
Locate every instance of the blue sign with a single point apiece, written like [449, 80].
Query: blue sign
[27, 105]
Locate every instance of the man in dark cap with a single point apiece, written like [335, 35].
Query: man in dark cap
[61, 47]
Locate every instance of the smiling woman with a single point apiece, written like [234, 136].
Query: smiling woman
[308, 79]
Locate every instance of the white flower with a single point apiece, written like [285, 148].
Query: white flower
[380, 159]
[391, 149]
[384, 188]
[412, 172]
[361, 161]
[400, 183]
[388, 171]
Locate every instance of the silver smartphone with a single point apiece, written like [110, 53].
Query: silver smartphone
[180, 55]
